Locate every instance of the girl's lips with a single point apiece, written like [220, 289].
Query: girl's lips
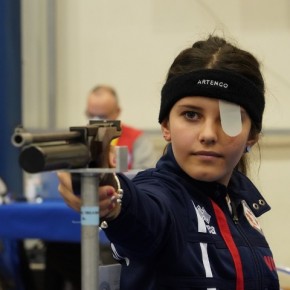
[207, 153]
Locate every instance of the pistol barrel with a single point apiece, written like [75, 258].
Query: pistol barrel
[20, 139]
[38, 158]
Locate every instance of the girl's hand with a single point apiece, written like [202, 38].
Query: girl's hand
[109, 207]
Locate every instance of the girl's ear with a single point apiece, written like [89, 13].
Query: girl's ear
[252, 140]
[165, 128]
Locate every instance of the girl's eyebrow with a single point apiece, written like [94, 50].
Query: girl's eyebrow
[190, 107]
[195, 107]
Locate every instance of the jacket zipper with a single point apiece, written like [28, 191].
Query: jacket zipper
[236, 222]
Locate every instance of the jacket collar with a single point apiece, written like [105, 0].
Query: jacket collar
[240, 186]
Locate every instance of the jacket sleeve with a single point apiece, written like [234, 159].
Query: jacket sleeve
[145, 218]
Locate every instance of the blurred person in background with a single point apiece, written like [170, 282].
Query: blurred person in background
[103, 104]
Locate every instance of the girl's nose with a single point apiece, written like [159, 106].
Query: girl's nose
[208, 133]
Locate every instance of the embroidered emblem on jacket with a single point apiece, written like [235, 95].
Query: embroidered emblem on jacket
[206, 217]
[253, 221]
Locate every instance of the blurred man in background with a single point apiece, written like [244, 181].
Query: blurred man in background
[103, 104]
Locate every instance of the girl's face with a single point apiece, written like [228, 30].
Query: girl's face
[200, 146]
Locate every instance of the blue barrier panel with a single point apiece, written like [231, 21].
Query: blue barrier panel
[10, 92]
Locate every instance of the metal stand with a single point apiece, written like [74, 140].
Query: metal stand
[90, 231]
[90, 218]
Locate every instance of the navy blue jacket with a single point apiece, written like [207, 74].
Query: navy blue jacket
[171, 234]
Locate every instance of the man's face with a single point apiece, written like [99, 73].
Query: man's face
[102, 104]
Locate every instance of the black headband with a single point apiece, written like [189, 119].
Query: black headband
[212, 83]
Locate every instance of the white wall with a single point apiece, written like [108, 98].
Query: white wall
[131, 44]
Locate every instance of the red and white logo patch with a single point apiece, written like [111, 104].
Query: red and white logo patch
[253, 221]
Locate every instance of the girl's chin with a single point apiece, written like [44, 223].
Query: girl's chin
[207, 177]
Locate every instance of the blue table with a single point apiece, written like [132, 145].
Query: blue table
[51, 220]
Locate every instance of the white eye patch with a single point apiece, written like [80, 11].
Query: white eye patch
[231, 120]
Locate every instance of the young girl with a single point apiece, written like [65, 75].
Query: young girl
[191, 222]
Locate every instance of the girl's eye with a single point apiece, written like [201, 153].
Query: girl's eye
[191, 115]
